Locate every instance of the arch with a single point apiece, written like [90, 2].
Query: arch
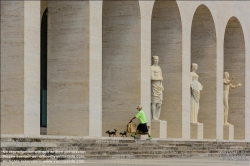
[120, 62]
[166, 42]
[234, 63]
[203, 52]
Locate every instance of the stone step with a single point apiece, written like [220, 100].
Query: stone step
[149, 143]
[114, 149]
[67, 139]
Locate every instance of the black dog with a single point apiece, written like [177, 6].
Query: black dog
[123, 133]
[111, 132]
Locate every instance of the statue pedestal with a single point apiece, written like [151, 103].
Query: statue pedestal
[196, 130]
[159, 129]
[228, 132]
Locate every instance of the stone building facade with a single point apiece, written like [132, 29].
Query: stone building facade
[87, 64]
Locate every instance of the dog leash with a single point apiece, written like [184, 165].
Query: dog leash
[123, 126]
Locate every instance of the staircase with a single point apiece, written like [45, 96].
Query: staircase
[80, 149]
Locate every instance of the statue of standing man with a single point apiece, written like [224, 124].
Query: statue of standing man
[227, 85]
[156, 89]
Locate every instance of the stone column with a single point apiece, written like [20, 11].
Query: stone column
[146, 13]
[75, 68]
[246, 30]
[95, 69]
[186, 57]
[186, 133]
[219, 87]
[20, 67]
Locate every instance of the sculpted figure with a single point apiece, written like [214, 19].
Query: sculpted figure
[227, 85]
[196, 87]
[156, 89]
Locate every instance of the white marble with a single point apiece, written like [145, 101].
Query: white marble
[156, 89]
[227, 85]
[196, 87]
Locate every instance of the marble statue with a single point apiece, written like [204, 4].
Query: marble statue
[196, 87]
[227, 85]
[156, 89]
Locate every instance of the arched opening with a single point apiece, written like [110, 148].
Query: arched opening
[203, 52]
[121, 62]
[167, 44]
[43, 66]
[43, 70]
[234, 63]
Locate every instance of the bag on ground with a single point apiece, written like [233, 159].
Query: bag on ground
[131, 128]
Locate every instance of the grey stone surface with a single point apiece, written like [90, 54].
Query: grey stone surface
[96, 149]
[198, 161]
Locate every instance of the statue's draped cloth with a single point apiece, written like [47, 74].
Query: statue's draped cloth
[157, 94]
[195, 97]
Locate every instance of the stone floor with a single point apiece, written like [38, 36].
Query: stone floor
[198, 161]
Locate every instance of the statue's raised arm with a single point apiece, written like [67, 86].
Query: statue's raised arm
[227, 85]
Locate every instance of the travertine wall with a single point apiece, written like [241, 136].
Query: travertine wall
[76, 64]
[203, 52]
[234, 63]
[120, 63]
[68, 68]
[167, 44]
[20, 56]
[221, 12]
[12, 67]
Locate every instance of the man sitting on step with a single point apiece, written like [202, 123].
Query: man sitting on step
[142, 127]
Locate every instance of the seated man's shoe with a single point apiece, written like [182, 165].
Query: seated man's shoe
[149, 138]
[133, 135]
